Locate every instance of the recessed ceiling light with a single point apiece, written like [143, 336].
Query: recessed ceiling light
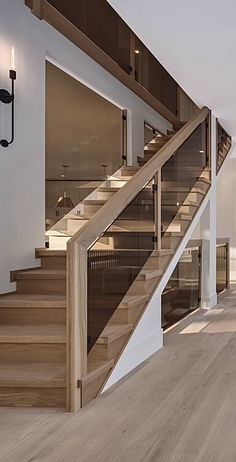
[202, 152]
[137, 52]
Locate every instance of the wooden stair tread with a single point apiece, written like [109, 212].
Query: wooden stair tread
[97, 367]
[173, 234]
[41, 274]
[44, 252]
[147, 274]
[132, 300]
[29, 374]
[53, 333]
[129, 168]
[162, 252]
[113, 332]
[32, 301]
[94, 201]
[180, 189]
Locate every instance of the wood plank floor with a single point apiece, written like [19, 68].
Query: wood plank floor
[180, 406]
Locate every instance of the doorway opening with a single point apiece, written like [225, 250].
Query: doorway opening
[85, 142]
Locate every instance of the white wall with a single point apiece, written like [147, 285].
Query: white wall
[226, 210]
[22, 165]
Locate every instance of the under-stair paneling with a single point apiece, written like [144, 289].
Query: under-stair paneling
[226, 219]
[146, 340]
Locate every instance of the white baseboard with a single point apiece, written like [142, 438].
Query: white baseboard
[134, 354]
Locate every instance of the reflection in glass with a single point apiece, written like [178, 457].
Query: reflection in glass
[116, 259]
[224, 143]
[182, 172]
[221, 268]
[100, 22]
[83, 131]
[181, 294]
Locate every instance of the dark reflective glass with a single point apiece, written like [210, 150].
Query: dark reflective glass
[184, 186]
[224, 143]
[153, 76]
[181, 294]
[101, 24]
[221, 268]
[116, 259]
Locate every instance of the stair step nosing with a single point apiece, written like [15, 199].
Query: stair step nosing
[40, 276]
[106, 338]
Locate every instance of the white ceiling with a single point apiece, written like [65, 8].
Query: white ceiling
[196, 43]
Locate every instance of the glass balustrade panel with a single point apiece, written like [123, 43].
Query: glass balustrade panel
[221, 268]
[185, 180]
[181, 294]
[116, 259]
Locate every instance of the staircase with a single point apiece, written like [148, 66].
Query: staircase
[63, 331]
[33, 336]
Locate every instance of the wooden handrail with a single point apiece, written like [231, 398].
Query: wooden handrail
[78, 246]
[96, 226]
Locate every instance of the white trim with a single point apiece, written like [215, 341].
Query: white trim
[134, 355]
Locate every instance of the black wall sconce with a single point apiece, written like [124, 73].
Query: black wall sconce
[9, 98]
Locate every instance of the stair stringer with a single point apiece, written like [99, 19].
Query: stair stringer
[142, 344]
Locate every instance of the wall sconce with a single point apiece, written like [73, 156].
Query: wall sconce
[9, 98]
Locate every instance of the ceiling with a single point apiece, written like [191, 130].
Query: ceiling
[83, 130]
[196, 43]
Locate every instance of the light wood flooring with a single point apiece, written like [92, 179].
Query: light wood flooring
[180, 406]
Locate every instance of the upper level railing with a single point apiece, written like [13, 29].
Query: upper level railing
[152, 211]
[100, 32]
[224, 143]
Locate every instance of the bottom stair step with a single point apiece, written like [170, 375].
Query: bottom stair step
[32, 385]
[98, 370]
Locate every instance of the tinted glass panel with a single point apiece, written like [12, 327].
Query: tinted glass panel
[179, 201]
[101, 24]
[153, 76]
[117, 258]
[224, 142]
[181, 294]
[221, 268]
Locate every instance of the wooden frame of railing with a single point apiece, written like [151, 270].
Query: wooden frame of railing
[44, 10]
[79, 244]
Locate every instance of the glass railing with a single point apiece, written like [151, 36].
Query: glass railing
[181, 295]
[224, 143]
[116, 261]
[222, 267]
[117, 258]
[104, 27]
[101, 24]
[153, 76]
[119, 263]
[184, 183]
